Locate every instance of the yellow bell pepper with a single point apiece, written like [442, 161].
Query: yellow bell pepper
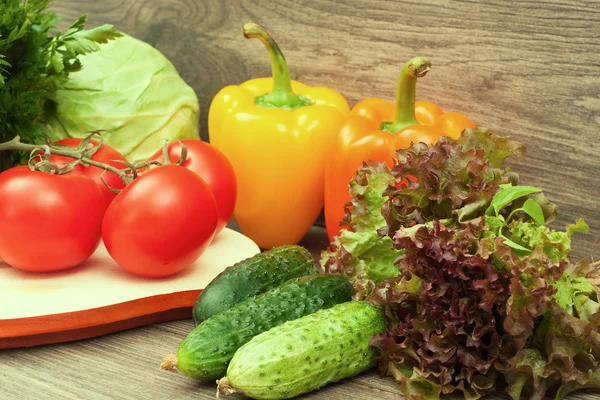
[277, 134]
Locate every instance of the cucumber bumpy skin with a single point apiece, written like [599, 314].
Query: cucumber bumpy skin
[251, 277]
[207, 350]
[307, 353]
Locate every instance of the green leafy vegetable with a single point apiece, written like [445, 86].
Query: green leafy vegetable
[484, 295]
[367, 197]
[534, 210]
[361, 253]
[532, 206]
[372, 257]
[517, 248]
[34, 65]
[579, 226]
[508, 194]
[554, 244]
[577, 296]
[132, 91]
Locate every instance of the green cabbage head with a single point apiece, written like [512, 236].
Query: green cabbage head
[132, 91]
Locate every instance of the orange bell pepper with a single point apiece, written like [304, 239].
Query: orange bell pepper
[376, 128]
[277, 134]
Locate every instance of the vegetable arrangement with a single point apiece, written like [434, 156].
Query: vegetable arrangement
[287, 339]
[459, 286]
[86, 106]
[230, 329]
[442, 269]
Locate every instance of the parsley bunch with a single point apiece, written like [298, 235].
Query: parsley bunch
[34, 64]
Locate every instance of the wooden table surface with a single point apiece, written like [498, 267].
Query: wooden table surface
[528, 69]
[125, 365]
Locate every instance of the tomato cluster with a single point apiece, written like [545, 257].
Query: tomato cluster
[156, 226]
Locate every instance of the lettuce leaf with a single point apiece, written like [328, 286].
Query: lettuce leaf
[575, 293]
[361, 253]
[445, 332]
[555, 244]
[453, 179]
[367, 191]
[363, 257]
[465, 311]
[562, 358]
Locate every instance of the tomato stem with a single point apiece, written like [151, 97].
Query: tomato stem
[81, 155]
[166, 156]
[184, 153]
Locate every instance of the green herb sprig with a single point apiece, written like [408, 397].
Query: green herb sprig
[35, 61]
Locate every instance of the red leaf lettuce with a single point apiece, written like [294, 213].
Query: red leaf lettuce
[480, 295]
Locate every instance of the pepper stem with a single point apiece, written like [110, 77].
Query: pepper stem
[406, 92]
[282, 95]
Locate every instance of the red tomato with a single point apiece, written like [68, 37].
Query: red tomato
[213, 167]
[48, 222]
[161, 222]
[105, 155]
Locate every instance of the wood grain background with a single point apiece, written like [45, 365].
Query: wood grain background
[527, 69]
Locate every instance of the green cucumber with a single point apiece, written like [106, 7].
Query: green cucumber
[206, 351]
[307, 353]
[250, 277]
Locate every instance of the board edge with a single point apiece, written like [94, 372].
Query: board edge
[100, 321]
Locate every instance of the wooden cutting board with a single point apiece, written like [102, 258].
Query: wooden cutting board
[98, 297]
